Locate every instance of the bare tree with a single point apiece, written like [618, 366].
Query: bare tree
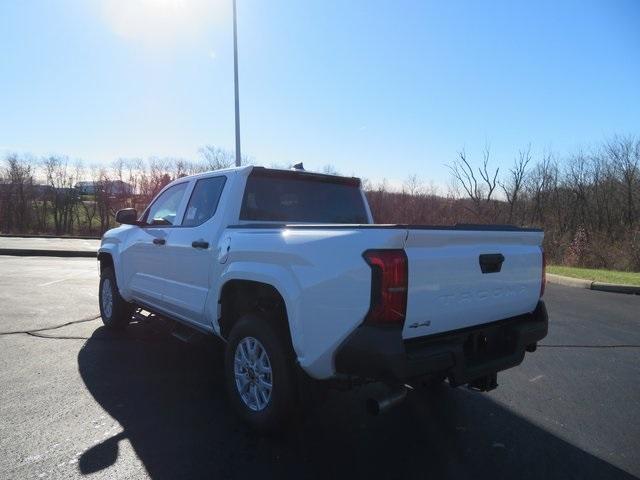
[330, 170]
[104, 198]
[541, 182]
[413, 186]
[216, 158]
[61, 179]
[17, 193]
[625, 154]
[479, 190]
[515, 180]
[577, 180]
[89, 204]
[159, 176]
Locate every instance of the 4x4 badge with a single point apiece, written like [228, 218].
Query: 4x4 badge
[420, 324]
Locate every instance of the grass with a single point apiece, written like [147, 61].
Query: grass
[606, 276]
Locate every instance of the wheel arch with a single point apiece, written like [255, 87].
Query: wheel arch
[107, 257]
[240, 296]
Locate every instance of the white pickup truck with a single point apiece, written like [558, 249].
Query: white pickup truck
[288, 268]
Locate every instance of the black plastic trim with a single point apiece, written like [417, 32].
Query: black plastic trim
[320, 177]
[379, 353]
[399, 226]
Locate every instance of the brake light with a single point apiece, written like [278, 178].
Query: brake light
[389, 279]
[543, 279]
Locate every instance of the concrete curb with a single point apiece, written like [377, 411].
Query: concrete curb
[21, 252]
[62, 237]
[569, 281]
[591, 285]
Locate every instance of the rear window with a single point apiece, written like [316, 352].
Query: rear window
[272, 196]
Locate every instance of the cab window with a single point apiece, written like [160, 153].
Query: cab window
[204, 201]
[165, 208]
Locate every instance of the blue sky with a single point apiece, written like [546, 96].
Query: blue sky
[377, 89]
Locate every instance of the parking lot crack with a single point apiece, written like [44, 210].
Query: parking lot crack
[36, 331]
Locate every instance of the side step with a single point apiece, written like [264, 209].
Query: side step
[184, 334]
[177, 329]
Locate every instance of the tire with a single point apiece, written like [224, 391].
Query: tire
[115, 311]
[246, 374]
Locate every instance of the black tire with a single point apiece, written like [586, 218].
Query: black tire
[282, 405]
[119, 315]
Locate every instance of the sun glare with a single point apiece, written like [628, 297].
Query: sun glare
[155, 22]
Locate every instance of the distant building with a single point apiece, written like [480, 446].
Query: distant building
[42, 190]
[86, 188]
[113, 187]
[36, 190]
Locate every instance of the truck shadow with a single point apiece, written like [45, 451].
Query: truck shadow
[169, 399]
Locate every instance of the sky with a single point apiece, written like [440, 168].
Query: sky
[377, 89]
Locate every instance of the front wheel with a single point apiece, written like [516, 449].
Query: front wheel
[115, 311]
[259, 374]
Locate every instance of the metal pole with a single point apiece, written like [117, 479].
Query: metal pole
[235, 78]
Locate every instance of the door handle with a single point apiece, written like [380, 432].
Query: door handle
[200, 244]
[491, 262]
[159, 241]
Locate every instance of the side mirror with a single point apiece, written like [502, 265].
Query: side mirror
[127, 216]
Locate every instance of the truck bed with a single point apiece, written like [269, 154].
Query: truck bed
[448, 287]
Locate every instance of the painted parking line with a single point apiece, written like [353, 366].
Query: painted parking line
[70, 277]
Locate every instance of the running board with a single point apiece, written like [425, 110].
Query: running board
[181, 331]
[184, 334]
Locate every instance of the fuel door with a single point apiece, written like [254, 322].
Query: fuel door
[225, 247]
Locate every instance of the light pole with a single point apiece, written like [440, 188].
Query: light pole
[235, 81]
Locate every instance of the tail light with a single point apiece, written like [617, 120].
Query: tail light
[543, 278]
[389, 280]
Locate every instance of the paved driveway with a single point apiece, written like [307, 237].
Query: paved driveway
[144, 405]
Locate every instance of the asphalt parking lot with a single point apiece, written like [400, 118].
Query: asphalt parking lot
[80, 401]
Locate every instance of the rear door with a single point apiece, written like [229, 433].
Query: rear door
[192, 251]
[462, 278]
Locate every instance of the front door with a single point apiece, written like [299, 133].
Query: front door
[144, 260]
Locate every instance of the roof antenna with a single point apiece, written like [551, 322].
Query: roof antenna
[298, 166]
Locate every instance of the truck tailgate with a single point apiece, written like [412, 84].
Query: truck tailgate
[448, 289]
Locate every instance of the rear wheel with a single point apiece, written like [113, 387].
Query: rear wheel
[259, 374]
[115, 311]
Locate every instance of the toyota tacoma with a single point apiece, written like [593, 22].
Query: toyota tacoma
[289, 270]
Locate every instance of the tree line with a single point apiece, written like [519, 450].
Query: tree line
[588, 202]
[46, 196]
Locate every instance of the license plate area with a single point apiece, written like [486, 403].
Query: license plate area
[489, 344]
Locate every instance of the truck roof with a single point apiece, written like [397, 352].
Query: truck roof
[276, 172]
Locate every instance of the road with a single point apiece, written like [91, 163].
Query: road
[144, 405]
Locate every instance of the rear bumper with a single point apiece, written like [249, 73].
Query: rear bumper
[464, 355]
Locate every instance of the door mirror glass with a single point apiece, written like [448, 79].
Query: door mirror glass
[127, 216]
